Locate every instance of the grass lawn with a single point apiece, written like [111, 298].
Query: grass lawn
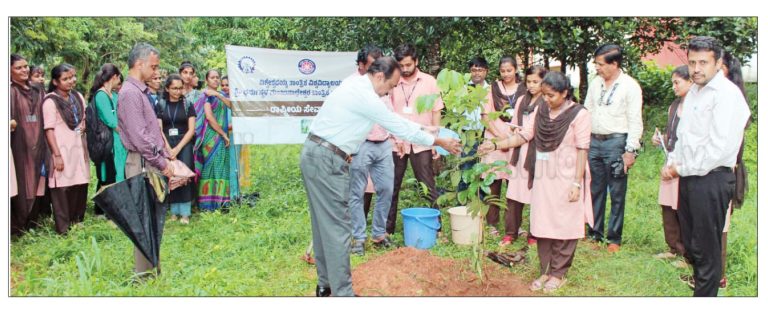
[254, 250]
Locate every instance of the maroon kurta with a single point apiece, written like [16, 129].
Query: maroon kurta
[29, 148]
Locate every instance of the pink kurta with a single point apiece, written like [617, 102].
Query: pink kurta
[728, 217]
[552, 215]
[12, 172]
[77, 170]
[668, 190]
[404, 97]
[497, 155]
[517, 187]
[369, 187]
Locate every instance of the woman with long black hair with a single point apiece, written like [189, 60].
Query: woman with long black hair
[27, 146]
[212, 146]
[177, 120]
[104, 97]
[502, 98]
[64, 124]
[558, 141]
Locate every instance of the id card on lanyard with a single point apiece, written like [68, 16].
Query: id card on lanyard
[408, 109]
[173, 131]
[75, 113]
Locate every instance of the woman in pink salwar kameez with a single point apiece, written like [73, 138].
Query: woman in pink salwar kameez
[559, 179]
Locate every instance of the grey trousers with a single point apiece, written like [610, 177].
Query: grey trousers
[133, 168]
[374, 159]
[326, 180]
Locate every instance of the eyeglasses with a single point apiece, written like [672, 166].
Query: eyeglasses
[478, 70]
[176, 88]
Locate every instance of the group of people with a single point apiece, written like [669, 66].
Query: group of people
[151, 120]
[564, 157]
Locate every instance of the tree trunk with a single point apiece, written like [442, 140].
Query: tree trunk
[583, 80]
[526, 58]
[563, 65]
[86, 74]
[546, 61]
[433, 59]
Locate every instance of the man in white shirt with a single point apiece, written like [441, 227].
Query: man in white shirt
[709, 134]
[478, 71]
[341, 125]
[615, 101]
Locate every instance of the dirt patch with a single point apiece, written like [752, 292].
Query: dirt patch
[16, 276]
[407, 271]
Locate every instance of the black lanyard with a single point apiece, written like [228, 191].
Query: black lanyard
[509, 99]
[610, 96]
[408, 97]
[74, 108]
[173, 116]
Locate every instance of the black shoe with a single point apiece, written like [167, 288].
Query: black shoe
[358, 248]
[225, 208]
[322, 291]
[384, 243]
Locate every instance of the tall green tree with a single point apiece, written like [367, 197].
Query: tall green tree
[84, 42]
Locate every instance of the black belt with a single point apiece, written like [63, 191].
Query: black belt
[609, 136]
[322, 142]
[722, 169]
[375, 141]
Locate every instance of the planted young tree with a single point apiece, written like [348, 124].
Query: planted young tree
[459, 99]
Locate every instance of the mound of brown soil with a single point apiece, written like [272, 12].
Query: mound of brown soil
[407, 271]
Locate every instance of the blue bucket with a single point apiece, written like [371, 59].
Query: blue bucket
[420, 226]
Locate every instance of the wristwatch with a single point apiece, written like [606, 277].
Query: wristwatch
[630, 150]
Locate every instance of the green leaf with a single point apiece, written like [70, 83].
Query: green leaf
[424, 188]
[443, 80]
[475, 207]
[426, 102]
[463, 197]
[485, 188]
[447, 199]
[455, 178]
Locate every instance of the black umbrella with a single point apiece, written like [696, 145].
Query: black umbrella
[136, 206]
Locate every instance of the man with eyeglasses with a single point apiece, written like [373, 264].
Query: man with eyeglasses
[478, 71]
[615, 102]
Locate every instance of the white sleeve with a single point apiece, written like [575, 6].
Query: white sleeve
[375, 110]
[634, 115]
[726, 132]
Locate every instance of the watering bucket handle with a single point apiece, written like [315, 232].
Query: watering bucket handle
[427, 225]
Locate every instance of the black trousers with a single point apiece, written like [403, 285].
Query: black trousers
[702, 206]
[601, 154]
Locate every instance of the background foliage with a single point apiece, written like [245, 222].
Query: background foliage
[443, 42]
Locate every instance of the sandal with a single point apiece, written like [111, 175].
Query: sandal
[508, 239]
[492, 231]
[538, 284]
[554, 284]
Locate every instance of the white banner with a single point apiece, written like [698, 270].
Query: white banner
[276, 93]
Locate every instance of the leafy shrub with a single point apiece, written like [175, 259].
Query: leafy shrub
[656, 84]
